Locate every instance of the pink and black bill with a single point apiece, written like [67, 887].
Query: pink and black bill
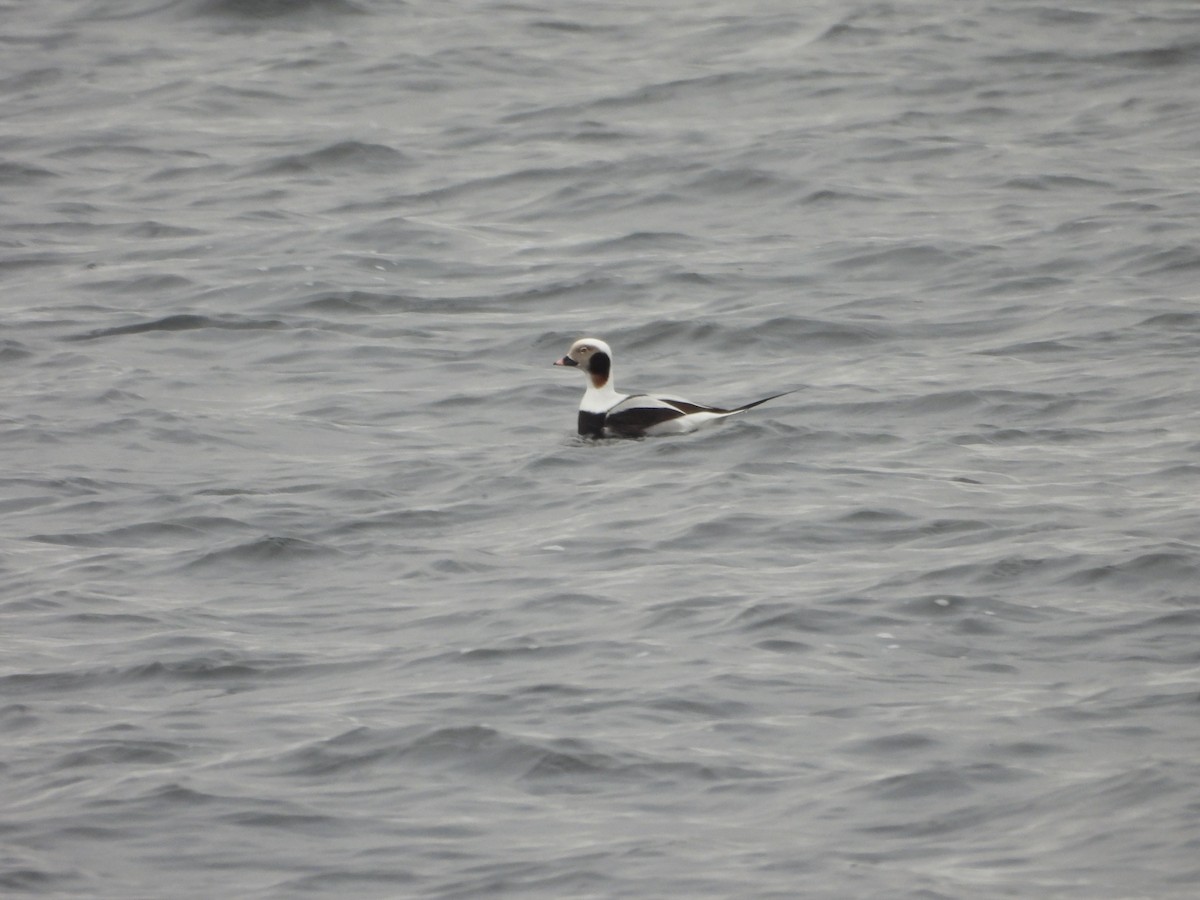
[599, 365]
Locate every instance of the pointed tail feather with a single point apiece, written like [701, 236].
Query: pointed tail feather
[762, 401]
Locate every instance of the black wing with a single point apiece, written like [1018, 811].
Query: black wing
[633, 415]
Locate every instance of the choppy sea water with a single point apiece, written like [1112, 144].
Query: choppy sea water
[308, 588]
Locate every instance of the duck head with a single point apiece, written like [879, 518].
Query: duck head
[594, 357]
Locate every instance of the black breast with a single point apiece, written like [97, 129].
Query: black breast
[591, 424]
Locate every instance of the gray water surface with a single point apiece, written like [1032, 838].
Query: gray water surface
[309, 589]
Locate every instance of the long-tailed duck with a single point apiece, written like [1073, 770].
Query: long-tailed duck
[605, 413]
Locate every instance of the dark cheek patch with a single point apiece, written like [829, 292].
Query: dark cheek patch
[599, 367]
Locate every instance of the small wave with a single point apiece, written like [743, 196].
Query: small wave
[702, 708]
[269, 9]
[949, 781]
[1049, 15]
[1188, 322]
[1056, 182]
[297, 822]
[1032, 348]
[729, 530]
[16, 717]
[126, 752]
[887, 745]
[34, 78]
[803, 331]
[1175, 571]
[270, 549]
[743, 181]
[516, 649]
[1031, 436]
[835, 196]
[872, 517]
[29, 880]
[114, 146]
[201, 668]
[672, 333]
[1151, 57]
[382, 881]
[573, 28]
[181, 322]
[39, 684]
[519, 182]
[959, 608]
[216, 665]
[1024, 284]
[787, 617]
[11, 351]
[635, 241]
[20, 173]
[847, 32]
[1152, 785]
[1027, 749]
[156, 284]
[126, 536]
[345, 156]
[679, 90]
[118, 619]
[143, 534]
[483, 750]
[152, 230]
[175, 794]
[427, 522]
[362, 302]
[1184, 259]
[923, 256]
[554, 293]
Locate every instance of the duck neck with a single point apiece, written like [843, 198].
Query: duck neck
[600, 395]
